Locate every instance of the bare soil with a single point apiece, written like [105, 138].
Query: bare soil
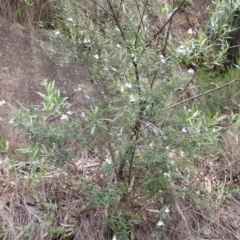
[26, 59]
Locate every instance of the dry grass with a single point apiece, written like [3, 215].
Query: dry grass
[56, 206]
[219, 223]
[25, 14]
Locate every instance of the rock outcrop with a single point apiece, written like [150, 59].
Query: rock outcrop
[26, 59]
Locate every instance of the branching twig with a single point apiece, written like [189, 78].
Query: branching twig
[237, 79]
[169, 20]
[141, 17]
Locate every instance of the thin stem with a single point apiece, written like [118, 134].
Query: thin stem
[237, 79]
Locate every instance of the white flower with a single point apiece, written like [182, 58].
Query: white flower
[114, 69]
[167, 148]
[191, 71]
[83, 114]
[181, 49]
[117, 29]
[118, 46]
[105, 68]
[128, 85]
[70, 19]
[184, 130]
[122, 89]
[133, 56]
[108, 160]
[11, 121]
[182, 153]
[190, 31]
[86, 41]
[132, 98]
[162, 59]
[171, 162]
[64, 117]
[160, 223]
[167, 210]
[114, 238]
[96, 56]
[69, 112]
[57, 33]
[3, 102]
[166, 174]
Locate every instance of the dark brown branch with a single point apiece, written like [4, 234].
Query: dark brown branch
[170, 19]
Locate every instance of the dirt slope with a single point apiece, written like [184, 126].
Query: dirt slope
[26, 59]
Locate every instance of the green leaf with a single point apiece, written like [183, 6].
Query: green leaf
[19, 10]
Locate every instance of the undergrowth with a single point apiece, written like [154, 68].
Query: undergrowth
[147, 160]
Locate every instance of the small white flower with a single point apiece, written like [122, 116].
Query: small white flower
[11, 121]
[163, 60]
[83, 114]
[105, 68]
[182, 153]
[70, 19]
[96, 56]
[191, 71]
[181, 49]
[184, 130]
[132, 98]
[69, 112]
[117, 29]
[171, 162]
[160, 223]
[134, 57]
[86, 41]
[114, 238]
[64, 117]
[189, 110]
[118, 46]
[151, 145]
[167, 210]
[108, 160]
[166, 174]
[114, 69]
[122, 89]
[167, 148]
[128, 85]
[190, 31]
[57, 33]
[3, 102]
[214, 130]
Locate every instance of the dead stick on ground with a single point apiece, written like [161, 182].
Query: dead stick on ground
[237, 79]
